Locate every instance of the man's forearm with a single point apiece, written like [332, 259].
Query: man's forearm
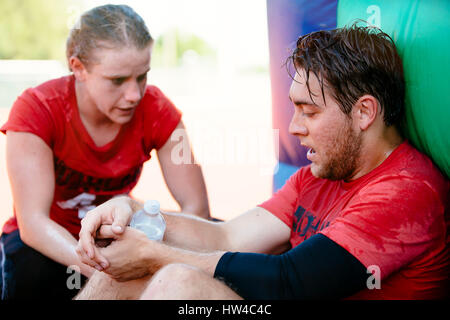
[194, 233]
[189, 231]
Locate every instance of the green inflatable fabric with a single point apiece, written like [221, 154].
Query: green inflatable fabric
[421, 32]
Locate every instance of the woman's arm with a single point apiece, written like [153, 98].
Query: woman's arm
[31, 174]
[184, 180]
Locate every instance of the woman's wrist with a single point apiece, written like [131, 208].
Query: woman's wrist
[135, 205]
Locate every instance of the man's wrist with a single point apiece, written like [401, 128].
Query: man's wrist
[155, 255]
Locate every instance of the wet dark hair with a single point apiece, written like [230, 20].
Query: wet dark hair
[105, 27]
[353, 61]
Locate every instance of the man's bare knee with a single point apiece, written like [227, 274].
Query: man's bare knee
[167, 278]
[102, 287]
[181, 281]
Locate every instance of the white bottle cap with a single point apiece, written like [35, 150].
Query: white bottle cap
[151, 206]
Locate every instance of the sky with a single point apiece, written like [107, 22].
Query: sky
[237, 29]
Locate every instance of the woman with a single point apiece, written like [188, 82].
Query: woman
[77, 141]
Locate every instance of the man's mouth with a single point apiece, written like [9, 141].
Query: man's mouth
[310, 154]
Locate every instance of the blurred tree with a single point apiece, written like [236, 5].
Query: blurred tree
[35, 29]
[171, 47]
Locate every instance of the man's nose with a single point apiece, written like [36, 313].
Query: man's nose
[296, 126]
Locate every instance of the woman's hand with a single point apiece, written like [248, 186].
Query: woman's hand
[117, 213]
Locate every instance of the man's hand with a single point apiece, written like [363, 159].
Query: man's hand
[116, 213]
[125, 253]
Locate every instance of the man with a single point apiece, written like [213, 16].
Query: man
[366, 219]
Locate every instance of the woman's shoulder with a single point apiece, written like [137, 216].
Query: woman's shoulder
[154, 100]
[49, 94]
[154, 92]
[42, 110]
[54, 88]
[52, 99]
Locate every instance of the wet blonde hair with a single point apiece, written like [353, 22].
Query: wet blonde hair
[108, 26]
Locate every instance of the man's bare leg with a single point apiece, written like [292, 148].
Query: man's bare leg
[184, 282]
[102, 287]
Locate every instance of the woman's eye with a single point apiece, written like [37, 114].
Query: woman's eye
[117, 81]
[142, 77]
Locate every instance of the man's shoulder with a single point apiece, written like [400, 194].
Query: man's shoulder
[409, 171]
[411, 163]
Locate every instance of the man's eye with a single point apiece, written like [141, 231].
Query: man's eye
[309, 114]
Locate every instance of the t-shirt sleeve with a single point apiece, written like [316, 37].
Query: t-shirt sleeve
[284, 202]
[29, 114]
[389, 223]
[163, 116]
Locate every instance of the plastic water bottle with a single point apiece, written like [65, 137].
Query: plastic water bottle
[150, 221]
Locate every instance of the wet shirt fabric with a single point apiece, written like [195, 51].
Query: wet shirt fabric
[86, 175]
[393, 220]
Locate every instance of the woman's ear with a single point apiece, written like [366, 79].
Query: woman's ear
[366, 111]
[78, 68]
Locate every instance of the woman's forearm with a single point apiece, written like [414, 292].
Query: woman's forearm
[55, 242]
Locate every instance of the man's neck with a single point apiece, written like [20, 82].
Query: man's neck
[376, 149]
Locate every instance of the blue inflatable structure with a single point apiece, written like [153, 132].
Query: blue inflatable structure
[287, 20]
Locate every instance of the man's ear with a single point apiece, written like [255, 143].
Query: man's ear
[78, 68]
[366, 110]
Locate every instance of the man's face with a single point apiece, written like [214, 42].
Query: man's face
[333, 143]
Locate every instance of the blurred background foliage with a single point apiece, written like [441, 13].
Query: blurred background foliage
[38, 29]
[34, 29]
[176, 48]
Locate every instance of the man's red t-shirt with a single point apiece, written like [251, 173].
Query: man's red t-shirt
[392, 220]
[87, 175]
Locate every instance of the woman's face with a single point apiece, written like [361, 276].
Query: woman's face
[115, 84]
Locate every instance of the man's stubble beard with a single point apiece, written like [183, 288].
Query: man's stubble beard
[342, 156]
